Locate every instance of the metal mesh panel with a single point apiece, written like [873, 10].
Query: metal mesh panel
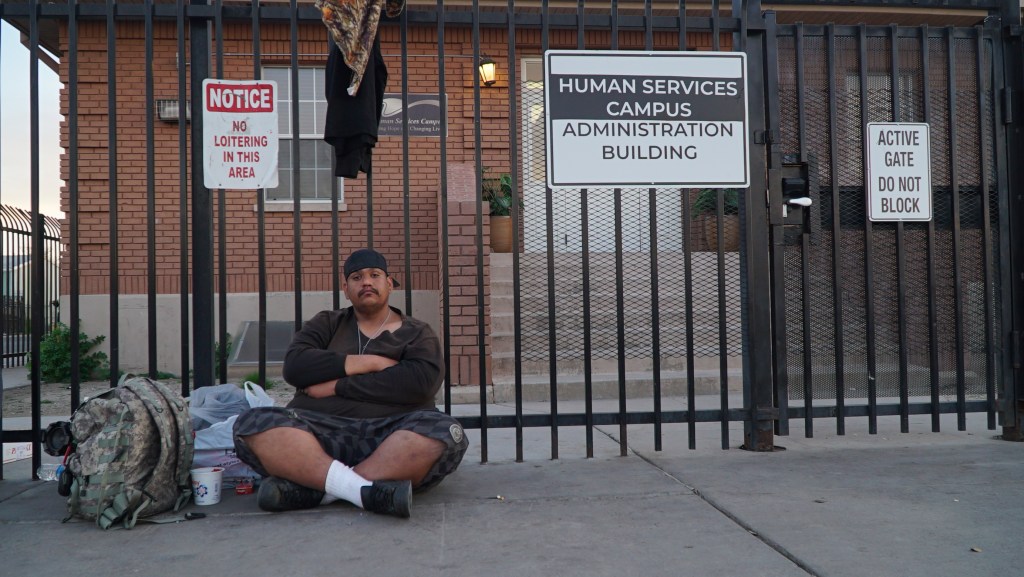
[972, 299]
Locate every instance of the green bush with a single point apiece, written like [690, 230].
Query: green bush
[55, 356]
[216, 353]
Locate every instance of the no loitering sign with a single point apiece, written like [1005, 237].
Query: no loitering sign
[899, 171]
[240, 134]
[620, 118]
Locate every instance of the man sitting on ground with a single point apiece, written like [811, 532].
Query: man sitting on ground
[363, 426]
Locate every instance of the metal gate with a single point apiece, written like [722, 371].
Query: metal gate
[888, 318]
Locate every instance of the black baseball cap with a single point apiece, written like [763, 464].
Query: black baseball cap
[366, 258]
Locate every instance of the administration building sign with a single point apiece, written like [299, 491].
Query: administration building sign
[627, 118]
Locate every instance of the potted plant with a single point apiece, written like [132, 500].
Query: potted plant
[705, 207]
[497, 192]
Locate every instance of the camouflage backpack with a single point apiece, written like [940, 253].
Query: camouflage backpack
[132, 454]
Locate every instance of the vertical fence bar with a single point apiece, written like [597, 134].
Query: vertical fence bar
[481, 338]
[25, 275]
[620, 330]
[261, 208]
[114, 340]
[72, 119]
[36, 229]
[901, 257]
[716, 26]
[588, 344]
[933, 320]
[296, 163]
[983, 139]
[446, 317]
[513, 164]
[1010, 69]
[222, 229]
[681, 11]
[183, 248]
[202, 209]
[588, 367]
[655, 301]
[954, 181]
[805, 245]
[691, 374]
[550, 242]
[1003, 54]
[620, 320]
[24, 280]
[869, 252]
[837, 229]
[405, 168]
[755, 268]
[776, 233]
[151, 288]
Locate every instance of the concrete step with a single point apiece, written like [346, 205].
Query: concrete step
[603, 386]
[672, 320]
[503, 365]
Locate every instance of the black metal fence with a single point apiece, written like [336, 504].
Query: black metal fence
[16, 284]
[611, 293]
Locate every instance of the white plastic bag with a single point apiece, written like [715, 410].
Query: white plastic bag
[219, 435]
[256, 396]
[210, 405]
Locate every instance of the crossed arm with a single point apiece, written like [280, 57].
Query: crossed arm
[411, 375]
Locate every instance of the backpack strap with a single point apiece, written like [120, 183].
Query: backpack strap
[186, 442]
[158, 397]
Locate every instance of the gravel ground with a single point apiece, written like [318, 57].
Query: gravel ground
[56, 397]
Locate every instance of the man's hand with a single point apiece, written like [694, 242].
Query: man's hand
[321, 390]
[363, 364]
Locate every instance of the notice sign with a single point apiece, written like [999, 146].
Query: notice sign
[899, 171]
[240, 134]
[618, 118]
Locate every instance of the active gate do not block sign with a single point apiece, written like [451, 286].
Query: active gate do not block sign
[622, 118]
[899, 171]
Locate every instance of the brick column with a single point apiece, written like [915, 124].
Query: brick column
[462, 277]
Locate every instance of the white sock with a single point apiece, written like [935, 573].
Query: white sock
[344, 483]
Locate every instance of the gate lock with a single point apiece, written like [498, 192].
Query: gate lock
[800, 208]
[795, 194]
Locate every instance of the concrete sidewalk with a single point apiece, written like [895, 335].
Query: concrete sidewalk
[887, 504]
[14, 377]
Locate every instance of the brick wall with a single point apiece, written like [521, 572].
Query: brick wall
[465, 295]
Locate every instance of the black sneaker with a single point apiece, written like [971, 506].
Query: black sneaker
[388, 498]
[278, 494]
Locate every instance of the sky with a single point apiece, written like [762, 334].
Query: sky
[15, 146]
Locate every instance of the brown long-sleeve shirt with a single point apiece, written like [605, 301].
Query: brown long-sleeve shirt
[317, 354]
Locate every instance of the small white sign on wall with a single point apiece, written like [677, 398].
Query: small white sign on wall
[240, 139]
[899, 168]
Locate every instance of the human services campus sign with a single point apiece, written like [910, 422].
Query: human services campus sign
[626, 118]
[240, 139]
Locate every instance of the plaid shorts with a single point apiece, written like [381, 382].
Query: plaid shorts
[350, 440]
